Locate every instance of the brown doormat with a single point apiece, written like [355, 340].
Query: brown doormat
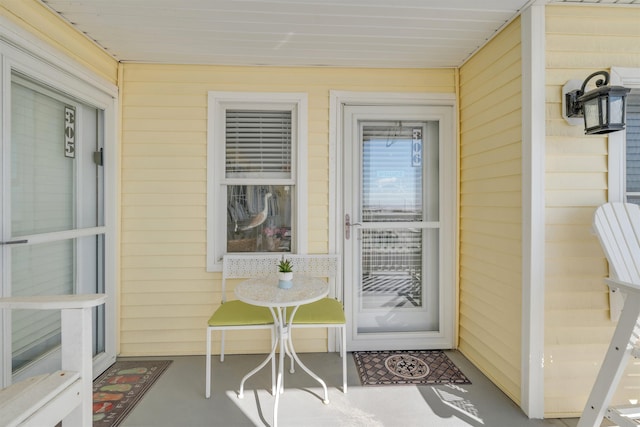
[117, 391]
[407, 367]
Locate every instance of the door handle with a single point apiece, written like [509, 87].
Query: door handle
[348, 225]
[14, 242]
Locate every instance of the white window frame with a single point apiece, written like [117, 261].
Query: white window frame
[218, 103]
[627, 77]
[617, 177]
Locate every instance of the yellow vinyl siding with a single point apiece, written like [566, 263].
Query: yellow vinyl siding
[37, 19]
[167, 295]
[490, 210]
[579, 41]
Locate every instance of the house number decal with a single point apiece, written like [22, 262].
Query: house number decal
[416, 147]
[69, 131]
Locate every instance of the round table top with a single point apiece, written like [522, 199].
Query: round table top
[264, 291]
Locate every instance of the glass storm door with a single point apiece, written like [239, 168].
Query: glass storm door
[53, 224]
[392, 233]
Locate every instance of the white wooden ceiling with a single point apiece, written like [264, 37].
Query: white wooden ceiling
[341, 33]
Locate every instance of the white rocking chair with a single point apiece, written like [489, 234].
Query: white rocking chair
[618, 228]
[64, 395]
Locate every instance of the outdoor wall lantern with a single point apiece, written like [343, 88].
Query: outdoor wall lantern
[602, 108]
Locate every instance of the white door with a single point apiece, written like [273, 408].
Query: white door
[398, 232]
[53, 233]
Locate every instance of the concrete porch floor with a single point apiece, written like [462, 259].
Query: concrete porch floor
[177, 399]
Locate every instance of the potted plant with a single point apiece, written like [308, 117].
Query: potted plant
[285, 273]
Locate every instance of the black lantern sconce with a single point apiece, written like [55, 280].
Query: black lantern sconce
[602, 108]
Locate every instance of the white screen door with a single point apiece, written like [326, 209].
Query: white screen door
[394, 236]
[53, 223]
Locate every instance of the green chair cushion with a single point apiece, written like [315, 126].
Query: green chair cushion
[238, 313]
[324, 311]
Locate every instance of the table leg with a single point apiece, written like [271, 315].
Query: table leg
[270, 357]
[283, 330]
[307, 370]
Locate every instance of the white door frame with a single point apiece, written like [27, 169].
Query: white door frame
[449, 193]
[21, 50]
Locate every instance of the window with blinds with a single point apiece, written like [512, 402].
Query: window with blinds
[632, 152]
[254, 139]
[258, 144]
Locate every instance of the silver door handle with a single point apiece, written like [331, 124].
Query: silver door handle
[14, 242]
[347, 226]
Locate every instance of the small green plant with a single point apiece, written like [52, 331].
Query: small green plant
[285, 266]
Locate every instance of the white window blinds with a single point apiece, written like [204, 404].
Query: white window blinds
[633, 145]
[258, 144]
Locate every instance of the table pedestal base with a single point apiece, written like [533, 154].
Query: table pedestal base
[283, 339]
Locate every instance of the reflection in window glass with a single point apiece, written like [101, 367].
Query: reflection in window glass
[259, 218]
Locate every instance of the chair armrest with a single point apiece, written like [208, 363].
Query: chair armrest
[53, 302]
[625, 287]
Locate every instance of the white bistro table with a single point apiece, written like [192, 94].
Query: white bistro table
[264, 292]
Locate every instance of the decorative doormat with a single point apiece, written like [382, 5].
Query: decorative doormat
[407, 367]
[117, 391]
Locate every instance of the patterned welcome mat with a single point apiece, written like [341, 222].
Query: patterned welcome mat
[117, 391]
[407, 367]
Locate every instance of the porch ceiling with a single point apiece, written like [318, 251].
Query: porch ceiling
[341, 33]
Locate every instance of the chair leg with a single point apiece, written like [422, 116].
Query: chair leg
[207, 380]
[343, 353]
[222, 346]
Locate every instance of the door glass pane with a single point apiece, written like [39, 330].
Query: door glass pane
[56, 185]
[399, 262]
[44, 269]
[42, 193]
[392, 174]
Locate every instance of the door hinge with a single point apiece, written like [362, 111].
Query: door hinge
[98, 158]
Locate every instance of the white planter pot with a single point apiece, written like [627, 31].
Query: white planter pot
[284, 280]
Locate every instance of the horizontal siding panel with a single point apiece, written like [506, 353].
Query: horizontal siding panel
[506, 136]
[490, 185]
[577, 300]
[167, 249]
[576, 181]
[210, 287]
[491, 264]
[489, 214]
[161, 312]
[569, 265]
[511, 169]
[509, 244]
[498, 229]
[155, 138]
[581, 163]
[157, 162]
[177, 274]
[503, 154]
[576, 283]
[590, 249]
[576, 197]
[570, 232]
[496, 200]
[166, 261]
[162, 200]
[570, 216]
[177, 148]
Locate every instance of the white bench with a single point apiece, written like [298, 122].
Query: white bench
[65, 395]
